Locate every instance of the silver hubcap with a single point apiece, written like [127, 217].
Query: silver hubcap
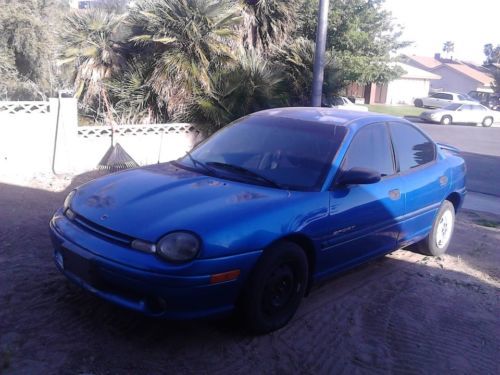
[446, 121]
[487, 122]
[444, 229]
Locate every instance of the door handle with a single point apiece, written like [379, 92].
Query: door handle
[394, 194]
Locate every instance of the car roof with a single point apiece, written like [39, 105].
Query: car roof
[325, 115]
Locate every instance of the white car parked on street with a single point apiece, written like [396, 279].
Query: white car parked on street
[341, 102]
[442, 99]
[462, 113]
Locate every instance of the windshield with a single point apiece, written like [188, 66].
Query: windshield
[292, 154]
[453, 107]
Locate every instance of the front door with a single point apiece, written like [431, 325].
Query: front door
[362, 220]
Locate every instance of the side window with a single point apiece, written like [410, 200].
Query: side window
[436, 96]
[371, 148]
[412, 147]
[448, 96]
[466, 107]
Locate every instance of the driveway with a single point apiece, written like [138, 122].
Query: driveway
[403, 313]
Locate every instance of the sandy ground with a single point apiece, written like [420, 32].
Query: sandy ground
[403, 313]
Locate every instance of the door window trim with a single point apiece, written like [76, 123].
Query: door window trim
[421, 166]
[392, 150]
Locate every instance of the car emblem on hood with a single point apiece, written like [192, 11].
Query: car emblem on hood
[104, 217]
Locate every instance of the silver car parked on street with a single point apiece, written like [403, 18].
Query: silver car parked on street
[443, 99]
[462, 113]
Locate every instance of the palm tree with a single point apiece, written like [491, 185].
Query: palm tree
[448, 47]
[296, 61]
[267, 23]
[135, 100]
[188, 39]
[251, 85]
[88, 43]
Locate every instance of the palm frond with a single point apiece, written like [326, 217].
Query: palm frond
[188, 36]
[251, 85]
[88, 42]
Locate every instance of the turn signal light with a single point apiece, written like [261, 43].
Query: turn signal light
[225, 276]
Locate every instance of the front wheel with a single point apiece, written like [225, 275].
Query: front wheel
[418, 103]
[276, 287]
[438, 240]
[446, 120]
[487, 122]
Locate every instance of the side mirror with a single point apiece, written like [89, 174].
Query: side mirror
[359, 176]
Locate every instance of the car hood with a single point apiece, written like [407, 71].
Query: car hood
[147, 203]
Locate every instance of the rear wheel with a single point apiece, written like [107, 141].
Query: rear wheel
[487, 122]
[275, 288]
[418, 103]
[438, 240]
[446, 120]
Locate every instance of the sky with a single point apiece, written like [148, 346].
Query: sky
[470, 24]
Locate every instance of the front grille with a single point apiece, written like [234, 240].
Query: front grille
[99, 230]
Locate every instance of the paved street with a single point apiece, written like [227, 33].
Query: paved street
[480, 149]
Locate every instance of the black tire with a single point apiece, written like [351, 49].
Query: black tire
[446, 120]
[418, 103]
[275, 288]
[429, 245]
[487, 122]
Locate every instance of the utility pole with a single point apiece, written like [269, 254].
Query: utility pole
[319, 54]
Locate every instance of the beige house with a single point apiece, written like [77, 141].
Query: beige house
[413, 84]
[455, 76]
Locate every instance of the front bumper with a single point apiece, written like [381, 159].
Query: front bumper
[141, 281]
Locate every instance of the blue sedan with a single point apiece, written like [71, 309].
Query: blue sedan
[259, 212]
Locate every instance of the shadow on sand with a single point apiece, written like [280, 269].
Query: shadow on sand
[389, 315]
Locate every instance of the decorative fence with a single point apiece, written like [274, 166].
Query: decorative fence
[14, 108]
[31, 133]
[146, 144]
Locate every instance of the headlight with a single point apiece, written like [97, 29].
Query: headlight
[69, 198]
[178, 246]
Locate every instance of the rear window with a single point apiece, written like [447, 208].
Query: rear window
[478, 108]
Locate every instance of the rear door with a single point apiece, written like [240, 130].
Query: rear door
[445, 99]
[432, 101]
[478, 113]
[362, 220]
[424, 181]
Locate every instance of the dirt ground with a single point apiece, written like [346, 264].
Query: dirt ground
[403, 313]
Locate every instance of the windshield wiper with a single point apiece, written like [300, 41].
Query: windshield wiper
[243, 170]
[200, 163]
